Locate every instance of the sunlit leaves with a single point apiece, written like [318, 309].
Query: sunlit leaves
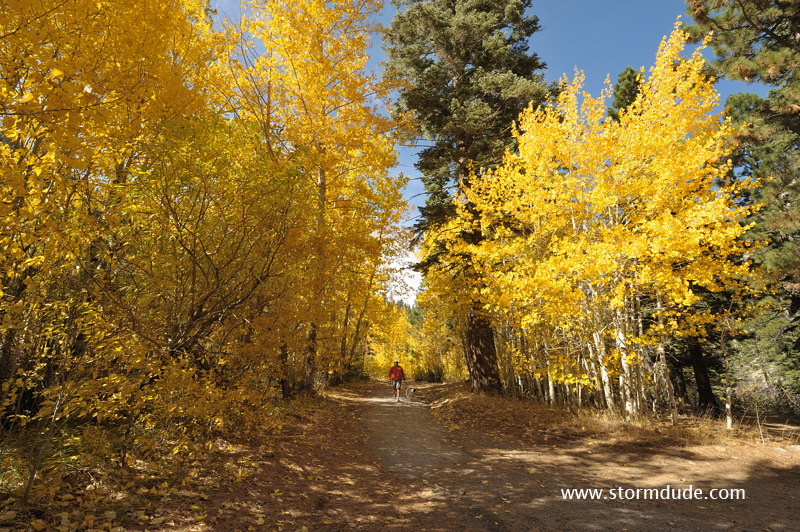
[177, 208]
[591, 215]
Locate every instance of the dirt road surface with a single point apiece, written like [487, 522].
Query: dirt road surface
[362, 461]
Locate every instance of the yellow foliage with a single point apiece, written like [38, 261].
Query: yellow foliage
[193, 227]
[589, 216]
[392, 338]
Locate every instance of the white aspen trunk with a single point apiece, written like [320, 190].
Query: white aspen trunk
[638, 385]
[728, 387]
[590, 365]
[551, 387]
[665, 369]
[623, 392]
[599, 354]
[728, 407]
[625, 375]
[627, 385]
[599, 351]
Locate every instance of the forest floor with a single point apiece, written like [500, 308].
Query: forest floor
[354, 459]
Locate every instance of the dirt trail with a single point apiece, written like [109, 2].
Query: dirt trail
[511, 485]
[448, 481]
[408, 439]
[364, 462]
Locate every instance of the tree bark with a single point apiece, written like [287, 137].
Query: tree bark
[626, 388]
[662, 354]
[287, 386]
[484, 376]
[673, 403]
[706, 398]
[599, 353]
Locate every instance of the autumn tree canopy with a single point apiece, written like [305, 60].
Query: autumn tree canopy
[591, 219]
[196, 217]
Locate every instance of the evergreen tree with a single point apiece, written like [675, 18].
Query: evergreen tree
[625, 91]
[467, 74]
[759, 41]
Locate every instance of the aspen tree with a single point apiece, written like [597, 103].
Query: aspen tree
[324, 117]
[167, 234]
[590, 214]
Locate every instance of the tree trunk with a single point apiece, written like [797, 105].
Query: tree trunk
[481, 354]
[706, 398]
[662, 354]
[625, 376]
[673, 403]
[728, 386]
[599, 353]
[310, 362]
[539, 390]
[287, 386]
[551, 387]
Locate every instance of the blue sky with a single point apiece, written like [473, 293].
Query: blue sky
[601, 37]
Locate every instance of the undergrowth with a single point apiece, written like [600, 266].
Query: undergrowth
[100, 477]
[526, 420]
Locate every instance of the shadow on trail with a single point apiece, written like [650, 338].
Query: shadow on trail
[510, 485]
[365, 462]
[407, 438]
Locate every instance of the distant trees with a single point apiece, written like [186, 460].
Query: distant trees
[625, 91]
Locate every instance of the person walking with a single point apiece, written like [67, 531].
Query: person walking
[396, 377]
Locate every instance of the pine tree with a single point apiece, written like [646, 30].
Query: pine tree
[757, 41]
[625, 91]
[468, 73]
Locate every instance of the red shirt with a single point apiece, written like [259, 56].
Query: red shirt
[396, 373]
